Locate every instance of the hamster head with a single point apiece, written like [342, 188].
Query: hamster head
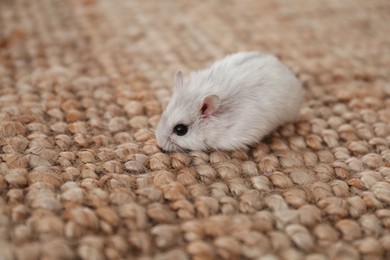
[181, 124]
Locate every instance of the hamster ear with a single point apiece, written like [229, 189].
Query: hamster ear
[178, 80]
[210, 105]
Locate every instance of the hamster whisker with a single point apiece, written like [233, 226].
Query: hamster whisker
[177, 147]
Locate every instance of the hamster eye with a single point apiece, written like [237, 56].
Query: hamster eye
[180, 129]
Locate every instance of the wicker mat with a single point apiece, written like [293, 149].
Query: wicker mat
[83, 85]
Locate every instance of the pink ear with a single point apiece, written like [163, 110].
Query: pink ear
[210, 105]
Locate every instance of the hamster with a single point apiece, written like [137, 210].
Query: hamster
[230, 105]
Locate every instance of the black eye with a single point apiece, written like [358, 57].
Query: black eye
[180, 129]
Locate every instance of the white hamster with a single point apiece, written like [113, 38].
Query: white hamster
[230, 105]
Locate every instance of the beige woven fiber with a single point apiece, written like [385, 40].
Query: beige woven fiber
[83, 85]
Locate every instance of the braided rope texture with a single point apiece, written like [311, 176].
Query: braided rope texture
[83, 84]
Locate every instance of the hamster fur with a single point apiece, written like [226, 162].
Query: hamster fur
[230, 105]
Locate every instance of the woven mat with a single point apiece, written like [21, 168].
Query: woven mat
[83, 84]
